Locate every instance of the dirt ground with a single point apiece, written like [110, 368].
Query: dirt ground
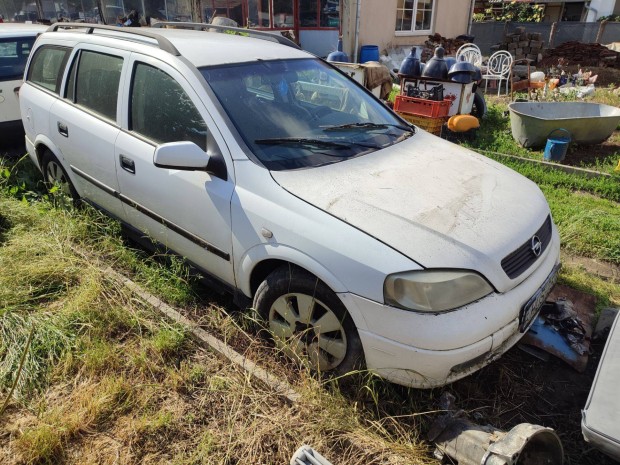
[588, 155]
[517, 388]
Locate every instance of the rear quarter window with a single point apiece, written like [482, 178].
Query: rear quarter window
[13, 56]
[47, 67]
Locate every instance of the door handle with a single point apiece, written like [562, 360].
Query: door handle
[127, 164]
[63, 130]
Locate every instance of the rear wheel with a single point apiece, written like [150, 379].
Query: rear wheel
[55, 175]
[307, 320]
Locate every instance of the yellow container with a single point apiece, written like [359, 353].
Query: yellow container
[432, 125]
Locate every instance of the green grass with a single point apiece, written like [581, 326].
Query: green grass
[105, 371]
[589, 226]
[495, 135]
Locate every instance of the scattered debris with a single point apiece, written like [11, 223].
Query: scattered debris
[565, 321]
[470, 444]
[563, 328]
[306, 455]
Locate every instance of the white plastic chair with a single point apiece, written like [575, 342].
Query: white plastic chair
[471, 53]
[498, 69]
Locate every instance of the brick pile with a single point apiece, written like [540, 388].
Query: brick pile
[523, 45]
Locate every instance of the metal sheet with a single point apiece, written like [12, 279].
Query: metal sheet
[600, 425]
[544, 337]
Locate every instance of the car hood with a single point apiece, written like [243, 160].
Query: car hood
[439, 204]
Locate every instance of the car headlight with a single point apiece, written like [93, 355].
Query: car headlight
[434, 290]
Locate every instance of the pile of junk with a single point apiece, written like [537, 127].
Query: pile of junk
[440, 95]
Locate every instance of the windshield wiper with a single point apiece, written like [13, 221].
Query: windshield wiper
[301, 141]
[346, 127]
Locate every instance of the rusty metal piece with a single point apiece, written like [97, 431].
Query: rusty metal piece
[470, 444]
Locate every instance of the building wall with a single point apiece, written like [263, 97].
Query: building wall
[378, 18]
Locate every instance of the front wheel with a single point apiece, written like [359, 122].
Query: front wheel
[307, 320]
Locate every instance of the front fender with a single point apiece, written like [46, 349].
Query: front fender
[273, 251]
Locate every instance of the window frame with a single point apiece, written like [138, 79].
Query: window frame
[296, 17]
[412, 31]
[77, 60]
[61, 69]
[129, 110]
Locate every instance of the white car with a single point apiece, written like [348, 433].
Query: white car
[359, 239]
[16, 41]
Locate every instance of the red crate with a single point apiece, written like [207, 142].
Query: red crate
[422, 107]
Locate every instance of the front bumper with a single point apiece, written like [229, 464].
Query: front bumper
[425, 350]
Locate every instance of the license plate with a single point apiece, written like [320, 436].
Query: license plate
[530, 309]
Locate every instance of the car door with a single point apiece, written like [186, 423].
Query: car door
[187, 211]
[83, 124]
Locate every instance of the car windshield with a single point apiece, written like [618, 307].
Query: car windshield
[302, 113]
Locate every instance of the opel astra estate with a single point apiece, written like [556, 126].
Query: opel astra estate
[360, 240]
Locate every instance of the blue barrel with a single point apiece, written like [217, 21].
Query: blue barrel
[557, 145]
[369, 53]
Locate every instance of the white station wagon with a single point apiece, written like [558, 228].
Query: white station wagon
[359, 239]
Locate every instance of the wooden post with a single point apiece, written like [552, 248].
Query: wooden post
[601, 30]
[552, 34]
[39, 10]
[197, 14]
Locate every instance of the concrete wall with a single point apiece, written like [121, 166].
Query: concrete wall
[378, 19]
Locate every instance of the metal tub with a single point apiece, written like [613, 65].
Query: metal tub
[588, 123]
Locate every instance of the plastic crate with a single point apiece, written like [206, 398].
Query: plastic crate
[432, 125]
[422, 107]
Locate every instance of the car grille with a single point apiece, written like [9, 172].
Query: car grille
[521, 259]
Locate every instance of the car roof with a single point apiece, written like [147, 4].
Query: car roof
[212, 48]
[201, 48]
[21, 29]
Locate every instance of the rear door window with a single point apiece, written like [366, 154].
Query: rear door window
[94, 83]
[47, 67]
[162, 111]
[13, 56]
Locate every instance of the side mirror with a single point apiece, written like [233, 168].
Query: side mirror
[181, 156]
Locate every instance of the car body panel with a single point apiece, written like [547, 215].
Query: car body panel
[328, 246]
[464, 212]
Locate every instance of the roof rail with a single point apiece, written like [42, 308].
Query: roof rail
[263, 35]
[163, 43]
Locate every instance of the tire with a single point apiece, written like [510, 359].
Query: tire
[479, 108]
[280, 301]
[55, 175]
